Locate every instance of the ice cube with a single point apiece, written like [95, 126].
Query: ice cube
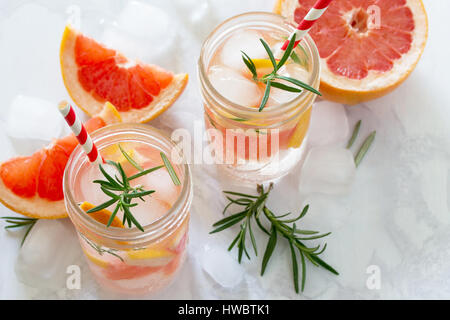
[149, 211]
[33, 118]
[144, 32]
[246, 41]
[328, 170]
[329, 124]
[234, 86]
[50, 248]
[7, 147]
[198, 15]
[279, 96]
[91, 192]
[221, 266]
[162, 183]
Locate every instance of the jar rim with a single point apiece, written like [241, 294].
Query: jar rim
[222, 31]
[156, 229]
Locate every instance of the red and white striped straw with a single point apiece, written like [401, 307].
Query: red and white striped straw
[80, 132]
[308, 21]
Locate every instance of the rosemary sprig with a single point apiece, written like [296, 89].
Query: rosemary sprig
[254, 207]
[119, 189]
[272, 79]
[100, 250]
[18, 222]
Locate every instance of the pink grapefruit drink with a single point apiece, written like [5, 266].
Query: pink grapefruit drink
[256, 145]
[122, 257]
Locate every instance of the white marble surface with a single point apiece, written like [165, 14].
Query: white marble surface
[396, 215]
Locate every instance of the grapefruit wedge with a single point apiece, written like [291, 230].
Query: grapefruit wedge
[94, 74]
[33, 186]
[367, 47]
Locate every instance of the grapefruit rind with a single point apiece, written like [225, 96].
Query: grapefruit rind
[36, 207]
[101, 216]
[87, 102]
[32, 207]
[349, 91]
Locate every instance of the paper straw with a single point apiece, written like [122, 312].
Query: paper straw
[308, 21]
[80, 132]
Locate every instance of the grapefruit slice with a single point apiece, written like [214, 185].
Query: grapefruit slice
[361, 59]
[94, 74]
[32, 185]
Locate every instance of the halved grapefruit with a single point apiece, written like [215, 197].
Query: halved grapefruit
[94, 74]
[367, 47]
[33, 186]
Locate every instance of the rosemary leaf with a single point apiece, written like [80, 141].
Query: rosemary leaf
[108, 177]
[324, 265]
[364, 148]
[269, 249]
[113, 215]
[269, 52]
[354, 135]
[250, 64]
[227, 225]
[252, 236]
[296, 59]
[234, 242]
[130, 159]
[19, 218]
[315, 237]
[240, 194]
[103, 205]
[288, 52]
[294, 266]
[232, 217]
[139, 194]
[285, 87]
[266, 96]
[299, 83]
[143, 173]
[170, 169]
[302, 259]
[321, 251]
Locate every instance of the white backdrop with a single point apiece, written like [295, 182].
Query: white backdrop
[395, 217]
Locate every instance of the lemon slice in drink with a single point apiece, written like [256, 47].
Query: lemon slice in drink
[150, 257]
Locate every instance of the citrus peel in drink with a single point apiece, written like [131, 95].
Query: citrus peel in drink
[101, 216]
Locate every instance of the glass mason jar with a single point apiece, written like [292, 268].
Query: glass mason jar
[252, 145]
[122, 259]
